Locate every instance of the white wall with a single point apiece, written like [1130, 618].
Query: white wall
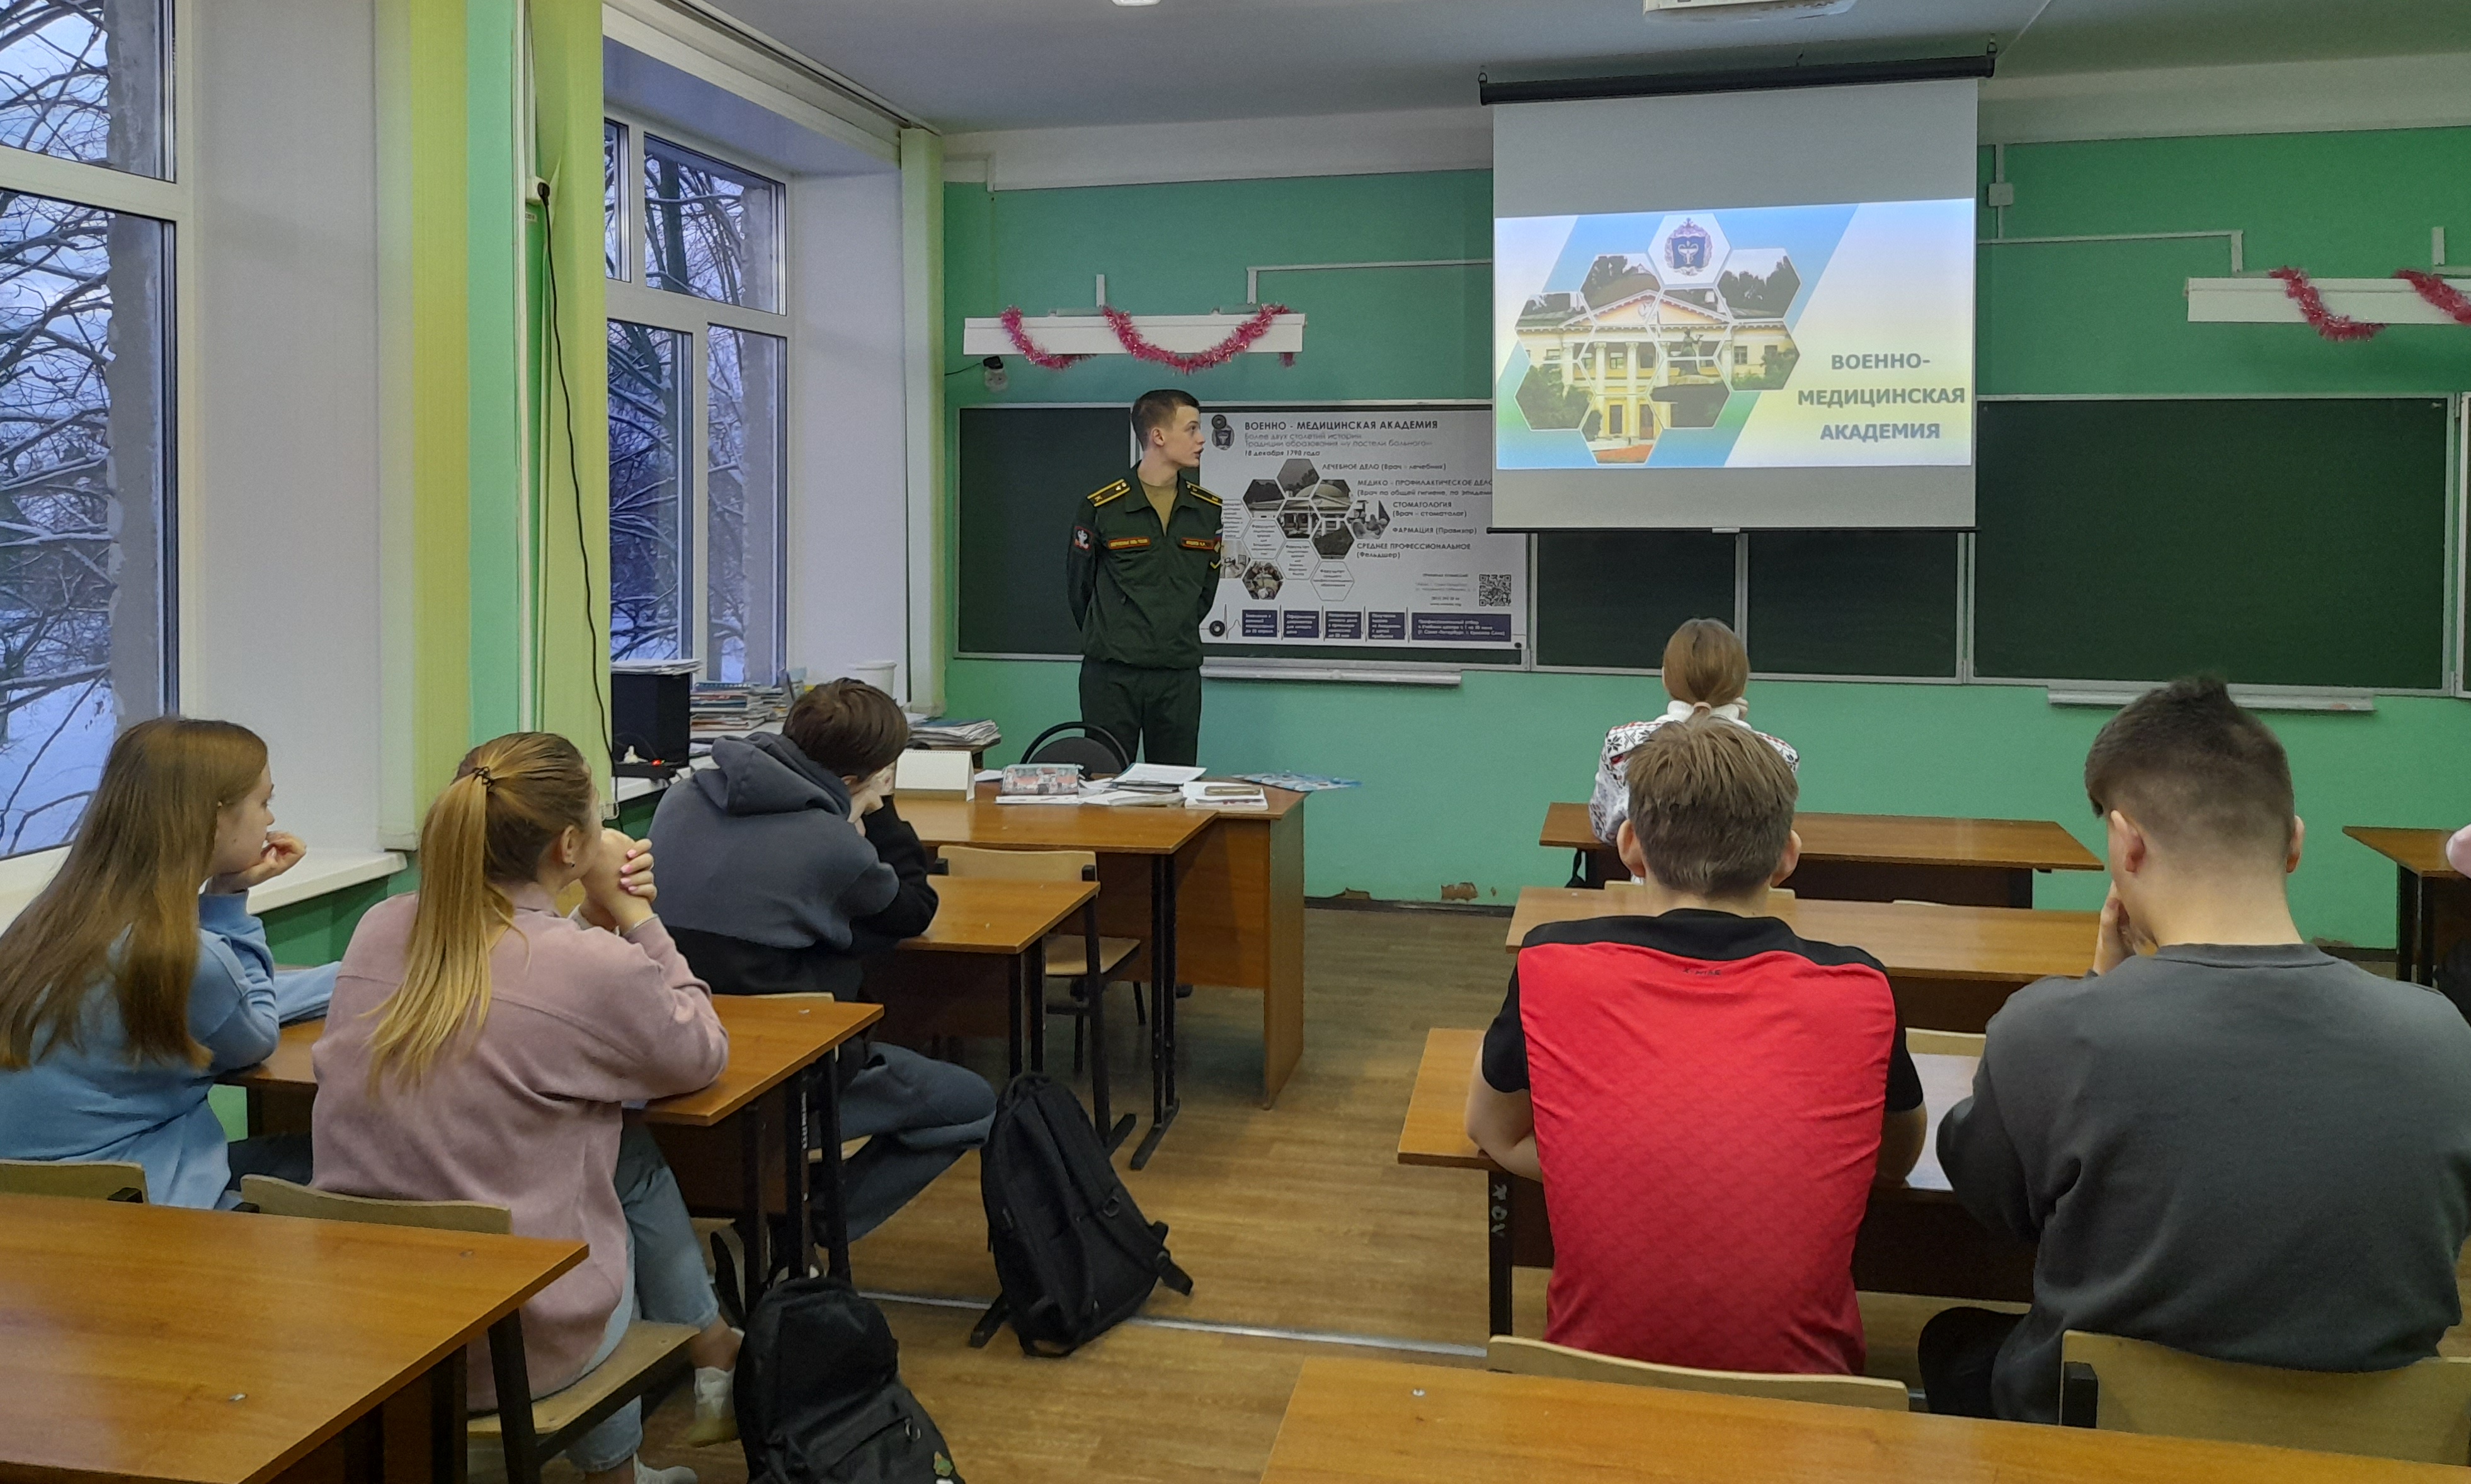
[279, 504]
[848, 589]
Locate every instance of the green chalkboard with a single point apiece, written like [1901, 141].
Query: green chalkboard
[1022, 472]
[1853, 603]
[1607, 600]
[1023, 469]
[2276, 541]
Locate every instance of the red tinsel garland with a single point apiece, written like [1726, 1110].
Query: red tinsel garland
[1135, 343]
[2311, 308]
[2438, 292]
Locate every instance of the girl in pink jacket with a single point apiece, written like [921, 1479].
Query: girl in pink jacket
[482, 1047]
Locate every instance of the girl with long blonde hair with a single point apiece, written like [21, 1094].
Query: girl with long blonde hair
[137, 977]
[482, 1047]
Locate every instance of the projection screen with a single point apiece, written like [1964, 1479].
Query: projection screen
[1733, 309]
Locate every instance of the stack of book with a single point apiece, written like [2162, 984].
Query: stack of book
[1221, 794]
[721, 710]
[946, 732]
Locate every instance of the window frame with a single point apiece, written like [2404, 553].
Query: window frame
[633, 299]
[172, 200]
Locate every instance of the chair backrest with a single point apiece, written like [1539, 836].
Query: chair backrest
[282, 1198]
[1536, 1357]
[96, 1180]
[2420, 1412]
[1020, 865]
[1943, 1042]
[1096, 750]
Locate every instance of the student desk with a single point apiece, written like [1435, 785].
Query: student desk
[1216, 895]
[1376, 1422]
[979, 918]
[1915, 1238]
[1880, 858]
[1951, 967]
[2432, 907]
[148, 1342]
[773, 1046]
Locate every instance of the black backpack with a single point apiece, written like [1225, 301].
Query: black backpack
[820, 1395]
[1072, 1250]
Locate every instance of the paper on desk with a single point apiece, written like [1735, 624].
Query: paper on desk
[1157, 775]
[1040, 798]
[1133, 798]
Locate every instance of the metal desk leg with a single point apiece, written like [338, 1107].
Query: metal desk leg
[2427, 921]
[754, 1229]
[1095, 1026]
[835, 1190]
[797, 1194]
[511, 1371]
[1498, 1246]
[1163, 1104]
[447, 1385]
[1016, 1035]
[1032, 969]
[2406, 924]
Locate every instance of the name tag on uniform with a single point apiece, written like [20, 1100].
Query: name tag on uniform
[1199, 543]
[1128, 544]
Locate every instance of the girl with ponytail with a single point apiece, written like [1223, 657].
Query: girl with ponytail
[1705, 671]
[482, 1047]
[125, 990]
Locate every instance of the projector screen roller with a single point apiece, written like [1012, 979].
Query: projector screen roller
[1735, 310]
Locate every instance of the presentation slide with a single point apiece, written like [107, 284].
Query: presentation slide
[1735, 310]
[1768, 337]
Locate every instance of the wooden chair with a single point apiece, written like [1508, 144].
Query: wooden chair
[1943, 1043]
[93, 1180]
[649, 1359]
[1535, 1358]
[2419, 1412]
[1069, 956]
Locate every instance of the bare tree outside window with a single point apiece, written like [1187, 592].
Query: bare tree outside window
[742, 482]
[650, 551]
[84, 398]
[710, 229]
[83, 80]
[613, 226]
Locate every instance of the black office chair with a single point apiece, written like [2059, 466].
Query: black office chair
[1096, 750]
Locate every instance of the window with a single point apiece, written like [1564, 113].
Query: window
[1616, 358]
[710, 230]
[1613, 418]
[85, 403]
[1742, 354]
[699, 353]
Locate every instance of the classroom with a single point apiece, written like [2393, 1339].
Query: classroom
[1233, 739]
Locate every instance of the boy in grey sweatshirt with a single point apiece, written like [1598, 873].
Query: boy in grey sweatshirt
[2224, 1140]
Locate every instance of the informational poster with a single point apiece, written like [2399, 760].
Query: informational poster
[1356, 525]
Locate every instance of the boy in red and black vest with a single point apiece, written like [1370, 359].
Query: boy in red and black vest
[1707, 1098]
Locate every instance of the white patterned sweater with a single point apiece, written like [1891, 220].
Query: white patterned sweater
[1609, 805]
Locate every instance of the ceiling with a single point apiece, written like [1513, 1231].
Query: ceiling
[986, 64]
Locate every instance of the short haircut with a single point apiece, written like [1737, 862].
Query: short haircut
[1704, 663]
[1712, 805]
[1157, 410]
[2195, 771]
[849, 727]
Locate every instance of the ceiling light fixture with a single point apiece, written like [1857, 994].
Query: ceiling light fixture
[1740, 9]
[1134, 3]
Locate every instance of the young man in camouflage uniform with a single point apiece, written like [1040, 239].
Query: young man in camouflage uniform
[1142, 574]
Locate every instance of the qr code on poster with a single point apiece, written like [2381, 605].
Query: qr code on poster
[1492, 590]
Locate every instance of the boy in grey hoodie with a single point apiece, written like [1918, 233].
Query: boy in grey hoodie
[783, 868]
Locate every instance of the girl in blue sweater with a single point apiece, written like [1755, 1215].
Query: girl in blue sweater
[126, 989]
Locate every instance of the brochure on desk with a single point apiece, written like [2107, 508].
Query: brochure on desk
[1361, 526]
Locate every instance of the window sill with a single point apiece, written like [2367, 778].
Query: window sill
[321, 871]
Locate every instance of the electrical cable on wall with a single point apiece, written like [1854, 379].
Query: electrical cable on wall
[573, 464]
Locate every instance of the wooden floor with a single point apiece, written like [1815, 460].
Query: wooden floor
[1296, 1220]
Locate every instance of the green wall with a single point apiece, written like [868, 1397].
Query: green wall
[1456, 780]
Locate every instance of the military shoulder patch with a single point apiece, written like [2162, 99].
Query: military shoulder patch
[1115, 491]
[1203, 493]
[1081, 539]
